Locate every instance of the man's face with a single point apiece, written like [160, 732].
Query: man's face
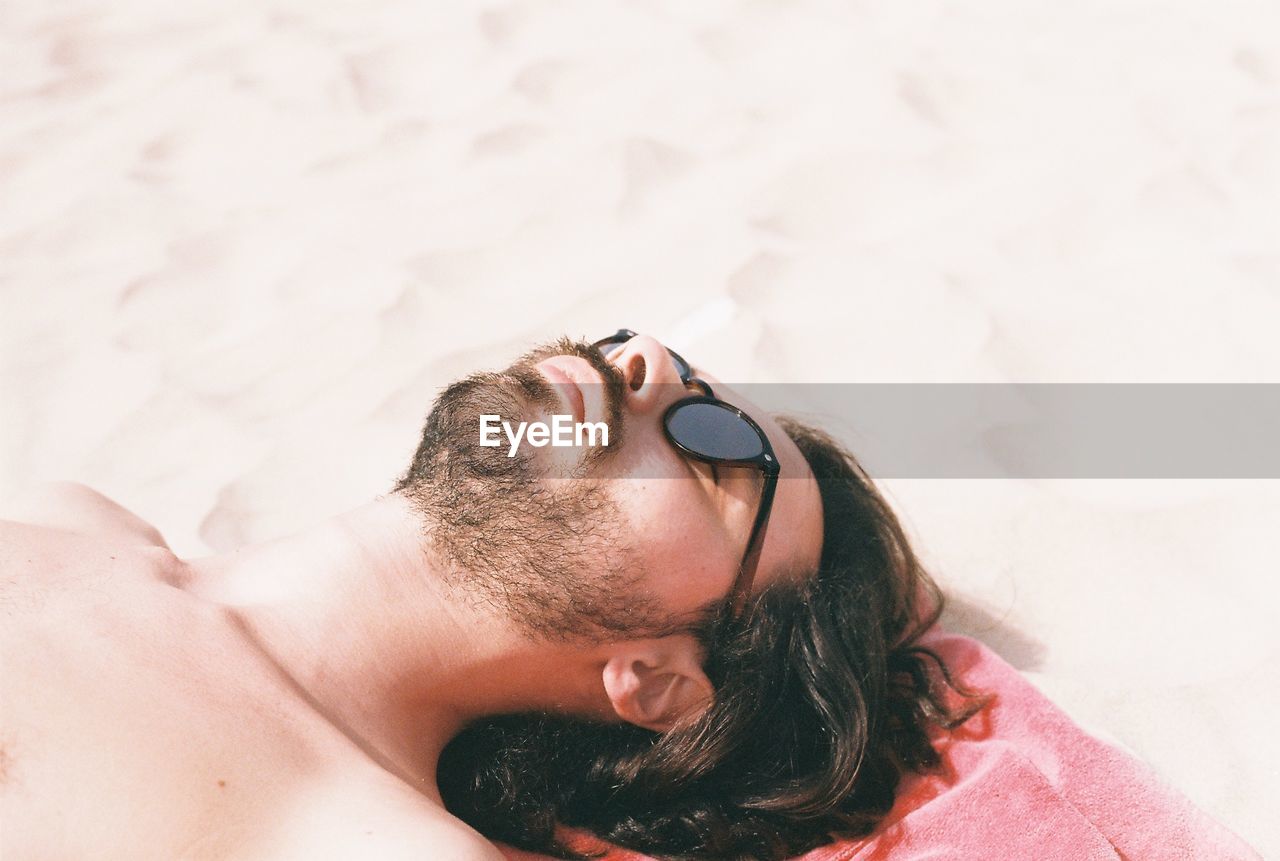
[579, 541]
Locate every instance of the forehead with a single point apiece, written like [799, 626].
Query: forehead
[793, 539]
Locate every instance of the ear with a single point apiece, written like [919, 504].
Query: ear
[656, 683]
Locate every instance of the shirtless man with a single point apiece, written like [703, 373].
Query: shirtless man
[293, 699]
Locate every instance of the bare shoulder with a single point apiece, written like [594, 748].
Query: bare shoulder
[443, 841]
[409, 843]
[394, 826]
[78, 508]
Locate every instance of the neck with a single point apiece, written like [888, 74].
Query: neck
[355, 615]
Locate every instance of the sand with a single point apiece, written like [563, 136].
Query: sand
[242, 246]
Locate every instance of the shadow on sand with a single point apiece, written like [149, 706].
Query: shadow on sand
[963, 615]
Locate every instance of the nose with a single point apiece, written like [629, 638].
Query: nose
[652, 381]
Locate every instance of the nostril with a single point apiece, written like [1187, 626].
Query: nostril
[636, 377]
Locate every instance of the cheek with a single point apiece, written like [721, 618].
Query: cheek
[793, 538]
[680, 544]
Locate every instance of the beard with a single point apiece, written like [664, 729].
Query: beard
[548, 553]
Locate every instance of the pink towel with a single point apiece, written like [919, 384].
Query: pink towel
[1021, 781]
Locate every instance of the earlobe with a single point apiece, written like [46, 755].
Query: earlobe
[658, 685]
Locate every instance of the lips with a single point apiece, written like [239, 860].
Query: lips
[563, 378]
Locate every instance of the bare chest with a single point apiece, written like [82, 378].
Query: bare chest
[131, 723]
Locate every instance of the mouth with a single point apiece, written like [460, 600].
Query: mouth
[568, 374]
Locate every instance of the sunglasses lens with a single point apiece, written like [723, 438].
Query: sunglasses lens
[682, 367]
[608, 348]
[714, 430]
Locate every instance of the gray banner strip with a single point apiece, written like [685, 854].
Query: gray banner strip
[1045, 430]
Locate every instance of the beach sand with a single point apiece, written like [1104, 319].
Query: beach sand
[243, 245]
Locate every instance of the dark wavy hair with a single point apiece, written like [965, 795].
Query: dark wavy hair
[823, 701]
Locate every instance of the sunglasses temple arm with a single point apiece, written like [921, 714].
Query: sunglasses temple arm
[755, 544]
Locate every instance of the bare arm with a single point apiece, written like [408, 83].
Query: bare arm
[78, 508]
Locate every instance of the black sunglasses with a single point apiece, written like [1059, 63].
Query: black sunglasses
[714, 431]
